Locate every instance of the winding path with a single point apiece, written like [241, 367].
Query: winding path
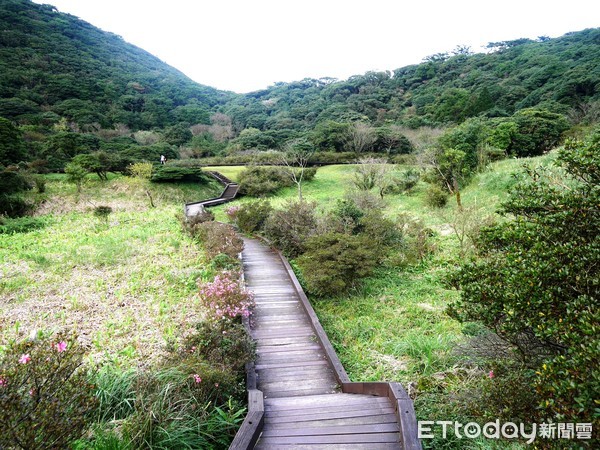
[306, 404]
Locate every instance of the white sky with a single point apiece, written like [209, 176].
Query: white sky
[246, 45]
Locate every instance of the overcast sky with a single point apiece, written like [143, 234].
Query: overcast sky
[246, 45]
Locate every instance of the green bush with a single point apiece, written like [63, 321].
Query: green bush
[46, 400]
[219, 238]
[169, 173]
[251, 217]
[289, 228]
[405, 182]
[436, 197]
[536, 282]
[335, 262]
[260, 181]
[22, 224]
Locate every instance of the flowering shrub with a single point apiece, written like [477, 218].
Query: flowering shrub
[45, 397]
[225, 298]
[231, 213]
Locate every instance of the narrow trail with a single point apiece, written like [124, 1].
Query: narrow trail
[304, 406]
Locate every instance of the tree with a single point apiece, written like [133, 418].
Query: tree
[537, 282]
[12, 146]
[361, 137]
[538, 131]
[295, 158]
[76, 174]
[447, 168]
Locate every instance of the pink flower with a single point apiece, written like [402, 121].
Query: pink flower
[31, 392]
[197, 378]
[24, 359]
[216, 385]
[61, 346]
[491, 374]
[3, 382]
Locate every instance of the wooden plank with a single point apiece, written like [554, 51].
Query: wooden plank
[380, 446]
[333, 430]
[319, 400]
[333, 439]
[382, 418]
[324, 407]
[299, 392]
[299, 365]
[293, 385]
[272, 417]
[287, 348]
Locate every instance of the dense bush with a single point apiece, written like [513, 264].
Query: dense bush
[259, 181]
[289, 228]
[169, 173]
[22, 224]
[404, 182]
[436, 197]
[251, 217]
[12, 184]
[217, 238]
[536, 283]
[45, 396]
[335, 262]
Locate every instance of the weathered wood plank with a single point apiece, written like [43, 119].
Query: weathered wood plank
[272, 417]
[382, 418]
[321, 400]
[333, 430]
[332, 439]
[380, 446]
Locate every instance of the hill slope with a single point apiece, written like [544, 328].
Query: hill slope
[55, 65]
[560, 74]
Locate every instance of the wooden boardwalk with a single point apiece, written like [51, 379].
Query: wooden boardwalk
[229, 193]
[305, 402]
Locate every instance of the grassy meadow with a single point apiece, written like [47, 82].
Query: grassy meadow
[124, 283]
[127, 284]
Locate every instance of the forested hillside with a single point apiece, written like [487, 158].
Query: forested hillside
[68, 88]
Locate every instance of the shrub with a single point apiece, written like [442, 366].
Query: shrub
[102, 212]
[40, 183]
[536, 281]
[416, 240]
[45, 397]
[226, 298]
[219, 238]
[169, 173]
[436, 197]
[224, 344]
[231, 213]
[405, 182]
[260, 181]
[289, 228]
[383, 233]
[251, 217]
[348, 214]
[335, 262]
[22, 224]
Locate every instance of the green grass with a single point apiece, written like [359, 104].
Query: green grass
[126, 284]
[394, 327]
